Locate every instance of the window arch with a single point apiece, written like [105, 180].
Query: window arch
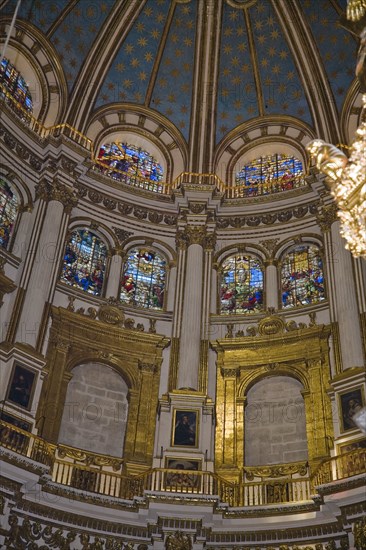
[130, 164]
[84, 262]
[8, 212]
[143, 280]
[302, 278]
[241, 285]
[270, 174]
[14, 83]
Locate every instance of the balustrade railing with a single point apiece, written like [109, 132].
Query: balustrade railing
[133, 180]
[341, 467]
[101, 474]
[268, 188]
[125, 178]
[200, 179]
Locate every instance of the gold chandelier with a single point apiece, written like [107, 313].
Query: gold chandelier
[346, 177]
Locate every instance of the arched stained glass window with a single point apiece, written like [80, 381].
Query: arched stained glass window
[8, 212]
[84, 262]
[143, 281]
[241, 286]
[270, 174]
[130, 164]
[302, 277]
[14, 83]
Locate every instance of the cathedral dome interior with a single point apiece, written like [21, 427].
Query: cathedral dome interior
[183, 308]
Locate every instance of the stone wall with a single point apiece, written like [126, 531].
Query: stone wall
[275, 422]
[95, 412]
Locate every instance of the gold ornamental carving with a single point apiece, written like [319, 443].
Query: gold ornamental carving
[26, 534]
[56, 191]
[327, 216]
[195, 234]
[178, 541]
[271, 325]
[87, 458]
[134, 354]
[278, 470]
[269, 245]
[274, 347]
[359, 532]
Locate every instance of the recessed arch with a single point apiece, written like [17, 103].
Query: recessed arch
[275, 133]
[36, 58]
[95, 410]
[149, 127]
[274, 421]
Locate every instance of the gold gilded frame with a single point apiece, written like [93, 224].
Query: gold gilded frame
[276, 348]
[76, 339]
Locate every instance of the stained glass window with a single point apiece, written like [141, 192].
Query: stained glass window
[84, 262]
[143, 280]
[270, 174]
[241, 286]
[8, 212]
[129, 164]
[15, 84]
[302, 277]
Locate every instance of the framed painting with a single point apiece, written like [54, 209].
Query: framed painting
[21, 386]
[354, 445]
[350, 402]
[184, 476]
[185, 428]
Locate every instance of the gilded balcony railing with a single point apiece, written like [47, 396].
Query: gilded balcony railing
[134, 180]
[101, 474]
[340, 467]
[199, 179]
[270, 187]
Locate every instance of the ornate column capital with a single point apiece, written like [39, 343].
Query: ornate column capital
[230, 372]
[149, 368]
[195, 234]
[56, 191]
[327, 216]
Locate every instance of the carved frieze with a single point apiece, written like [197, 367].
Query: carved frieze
[267, 218]
[26, 154]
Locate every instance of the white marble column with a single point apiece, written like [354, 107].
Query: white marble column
[346, 306]
[189, 353]
[46, 261]
[171, 286]
[114, 275]
[271, 284]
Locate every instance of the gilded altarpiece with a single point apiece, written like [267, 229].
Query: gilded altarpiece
[273, 347]
[101, 336]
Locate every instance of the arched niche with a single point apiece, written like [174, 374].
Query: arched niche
[274, 134]
[274, 422]
[95, 410]
[36, 59]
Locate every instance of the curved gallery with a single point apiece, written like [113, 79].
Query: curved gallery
[183, 337]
